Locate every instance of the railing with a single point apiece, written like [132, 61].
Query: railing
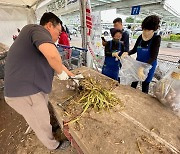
[72, 57]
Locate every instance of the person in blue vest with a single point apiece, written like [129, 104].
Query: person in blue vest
[147, 49]
[113, 51]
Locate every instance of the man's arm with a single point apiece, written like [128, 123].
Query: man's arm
[67, 71]
[51, 53]
[125, 39]
[53, 57]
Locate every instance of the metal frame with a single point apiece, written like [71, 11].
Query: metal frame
[165, 64]
[72, 57]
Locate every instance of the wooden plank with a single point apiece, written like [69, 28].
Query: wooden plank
[151, 114]
[127, 131]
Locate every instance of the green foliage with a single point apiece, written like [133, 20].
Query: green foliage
[129, 20]
[174, 37]
[138, 21]
[135, 36]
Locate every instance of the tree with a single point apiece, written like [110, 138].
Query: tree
[138, 21]
[129, 20]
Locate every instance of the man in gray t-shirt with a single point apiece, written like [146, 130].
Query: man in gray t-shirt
[31, 62]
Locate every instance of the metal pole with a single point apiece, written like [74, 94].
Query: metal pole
[83, 22]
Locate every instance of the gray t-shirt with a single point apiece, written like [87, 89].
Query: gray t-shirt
[27, 71]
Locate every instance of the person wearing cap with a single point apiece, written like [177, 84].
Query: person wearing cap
[113, 50]
[147, 49]
[125, 35]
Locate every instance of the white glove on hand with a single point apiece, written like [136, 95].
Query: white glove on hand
[79, 76]
[141, 73]
[125, 54]
[76, 77]
[63, 76]
[115, 54]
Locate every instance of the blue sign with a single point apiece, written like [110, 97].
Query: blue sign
[135, 10]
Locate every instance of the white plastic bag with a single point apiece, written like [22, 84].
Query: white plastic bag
[167, 90]
[129, 69]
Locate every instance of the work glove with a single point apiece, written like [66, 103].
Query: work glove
[63, 76]
[125, 54]
[77, 77]
[141, 74]
[116, 54]
[73, 85]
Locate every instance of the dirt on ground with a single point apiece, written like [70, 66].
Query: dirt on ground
[12, 128]
[13, 139]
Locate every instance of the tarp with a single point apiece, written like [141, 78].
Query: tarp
[19, 3]
[15, 14]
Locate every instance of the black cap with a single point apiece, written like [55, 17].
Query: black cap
[113, 31]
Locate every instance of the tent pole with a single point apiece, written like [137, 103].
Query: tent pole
[83, 22]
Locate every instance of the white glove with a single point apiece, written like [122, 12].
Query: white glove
[79, 76]
[115, 54]
[63, 76]
[76, 77]
[125, 54]
[141, 73]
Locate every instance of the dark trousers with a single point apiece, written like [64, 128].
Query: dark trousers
[145, 86]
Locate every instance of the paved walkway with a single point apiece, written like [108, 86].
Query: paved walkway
[174, 51]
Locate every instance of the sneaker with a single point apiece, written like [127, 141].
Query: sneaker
[63, 145]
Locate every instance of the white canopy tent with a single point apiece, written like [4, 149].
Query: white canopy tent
[15, 14]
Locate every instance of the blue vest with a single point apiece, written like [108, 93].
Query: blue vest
[143, 55]
[111, 64]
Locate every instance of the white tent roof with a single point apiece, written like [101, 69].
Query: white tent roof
[19, 3]
[158, 7]
[15, 14]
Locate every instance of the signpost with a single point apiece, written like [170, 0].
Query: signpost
[135, 10]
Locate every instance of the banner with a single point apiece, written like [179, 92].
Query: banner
[96, 34]
[63, 6]
[94, 44]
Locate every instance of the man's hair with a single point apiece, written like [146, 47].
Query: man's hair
[151, 23]
[50, 17]
[117, 20]
[63, 29]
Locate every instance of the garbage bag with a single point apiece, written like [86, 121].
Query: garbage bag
[129, 70]
[167, 90]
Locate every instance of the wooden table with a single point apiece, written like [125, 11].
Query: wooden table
[143, 126]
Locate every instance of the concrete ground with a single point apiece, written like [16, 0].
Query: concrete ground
[174, 51]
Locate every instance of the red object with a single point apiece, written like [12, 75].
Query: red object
[88, 17]
[71, 139]
[64, 40]
[14, 37]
